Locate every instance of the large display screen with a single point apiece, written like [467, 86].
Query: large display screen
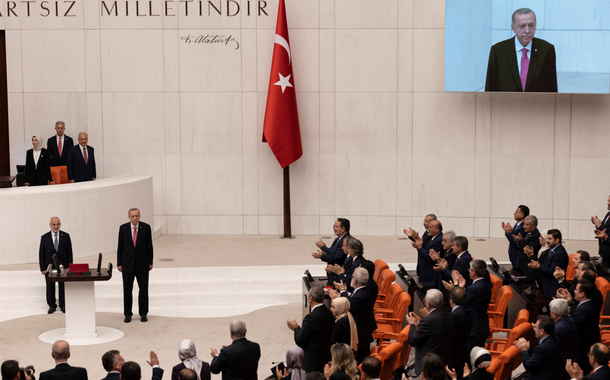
[567, 42]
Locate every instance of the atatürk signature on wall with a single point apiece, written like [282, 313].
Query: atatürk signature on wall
[210, 39]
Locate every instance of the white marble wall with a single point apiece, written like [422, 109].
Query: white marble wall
[383, 144]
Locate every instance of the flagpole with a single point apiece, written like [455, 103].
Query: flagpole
[287, 224]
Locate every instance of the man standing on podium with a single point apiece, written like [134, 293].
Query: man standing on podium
[135, 260]
[55, 242]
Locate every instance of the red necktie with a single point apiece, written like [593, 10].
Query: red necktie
[59, 147]
[525, 65]
[135, 235]
[85, 154]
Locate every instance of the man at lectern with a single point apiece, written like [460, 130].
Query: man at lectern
[55, 242]
[135, 260]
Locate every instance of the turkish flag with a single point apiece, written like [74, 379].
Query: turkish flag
[281, 128]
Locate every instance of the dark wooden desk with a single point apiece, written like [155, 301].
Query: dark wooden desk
[407, 286]
[6, 181]
[521, 301]
[317, 281]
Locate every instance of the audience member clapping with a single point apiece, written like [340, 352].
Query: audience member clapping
[343, 365]
[294, 365]
[345, 325]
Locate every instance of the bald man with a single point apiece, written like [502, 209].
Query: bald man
[55, 242]
[62, 371]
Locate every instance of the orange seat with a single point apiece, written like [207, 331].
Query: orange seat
[60, 174]
[385, 308]
[394, 324]
[496, 316]
[570, 270]
[385, 280]
[604, 286]
[510, 359]
[496, 283]
[389, 355]
[495, 368]
[523, 316]
[496, 346]
[402, 337]
[380, 266]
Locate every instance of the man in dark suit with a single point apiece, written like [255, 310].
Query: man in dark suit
[413, 235]
[239, 360]
[361, 306]
[598, 359]
[428, 277]
[461, 264]
[565, 330]
[62, 371]
[543, 362]
[132, 370]
[81, 161]
[434, 332]
[516, 230]
[135, 260]
[371, 285]
[601, 233]
[112, 361]
[334, 254]
[556, 257]
[55, 242]
[522, 63]
[316, 334]
[354, 249]
[59, 145]
[462, 322]
[529, 245]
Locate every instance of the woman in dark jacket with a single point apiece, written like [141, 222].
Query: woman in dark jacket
[343, 366]
[37, 167]
[345, 327]
[188, 354]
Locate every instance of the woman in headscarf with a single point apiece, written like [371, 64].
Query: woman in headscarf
[294, 365]
[481, 360]
[345, 326]
[37, 167]
[343, 365]
[188, 354]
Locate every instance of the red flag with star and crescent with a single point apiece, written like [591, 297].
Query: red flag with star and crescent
[281, 127]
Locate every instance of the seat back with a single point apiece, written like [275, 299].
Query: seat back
[495, 368]
[380, 266]
[523, 316]
[389, 354]
[392, 296]
[510, 359]
[385, 280]
[496, 283]
[60, 174]
[403, 356]
[570, 270]
[604, 286]
[400, 309]
[504, 295]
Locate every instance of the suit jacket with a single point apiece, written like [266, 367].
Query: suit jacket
[428, 277]
[531, 239]
[52, 148]
[461, 265]
[557, 258]
[342, 332]
[462, 322]
[204, 374]
[238, 361]
[64, 371]
[361, 307]
[339, 375]
[586, 317]
[480, 374]
[77, 169]
[601, 374]
[513, 248]
[478, 296]
[334, 254]
[140, 257]
[567, 336]
[544, 361]
[47, 250]
[113, 376]
[157, 373]
[433, 334]
[37, 174]
[350, 267]
[604, 245]
[315, 338]
[503, 70]
[373, 288]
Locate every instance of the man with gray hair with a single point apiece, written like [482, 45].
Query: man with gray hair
[81, 161]
[239, 360]
[60, 353]
[432, 333]
[315, 337]
[361, 306]
[565, 330]
[522, 63]
[529, 245]
[112, 361]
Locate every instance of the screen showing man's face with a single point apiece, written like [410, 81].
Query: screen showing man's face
[524, 27]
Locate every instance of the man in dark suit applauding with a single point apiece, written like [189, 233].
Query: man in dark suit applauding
[462, 323]
[598, 358]
[434, 332]
[59, 145]
[315, 337]
[335, 254]
[81, 161]
[59, 243]
[556, 257]
[601, 233]
[135, 260]
[529, 245]
[60, 353]
[517, 230]
[239, 360]
[543, 362]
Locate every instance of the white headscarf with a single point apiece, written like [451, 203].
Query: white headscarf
[188, 354]
[40, 143]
